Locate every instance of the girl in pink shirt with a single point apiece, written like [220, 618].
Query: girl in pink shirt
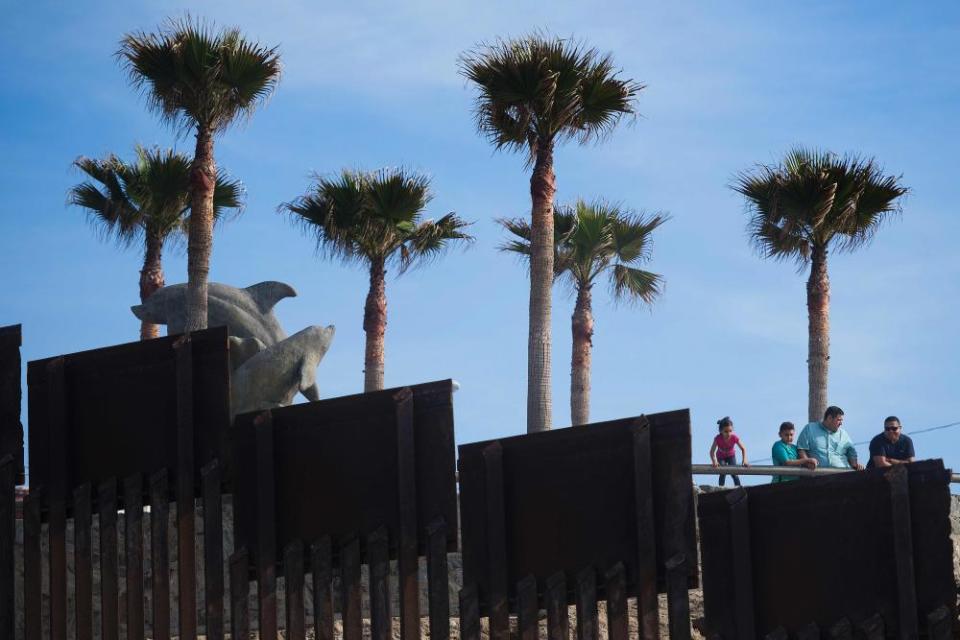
[722, 453]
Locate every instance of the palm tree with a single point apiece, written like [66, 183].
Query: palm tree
[534, 92]
[146, 200]
[202, 80]
[590, 240]
[374, 218]
[813, 202]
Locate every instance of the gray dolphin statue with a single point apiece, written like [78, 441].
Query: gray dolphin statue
[247, 313]
[272, 377]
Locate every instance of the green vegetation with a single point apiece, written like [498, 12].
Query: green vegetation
[375, 218]
[202, 80]
[534, 92]
[146, 201]
[811, 203]
[593, 240]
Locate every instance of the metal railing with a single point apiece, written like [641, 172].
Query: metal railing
[769, 470]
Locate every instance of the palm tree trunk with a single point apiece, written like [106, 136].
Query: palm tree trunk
[151, 279]
[203, 179]
[582, 326]
[375, 326]
[542, 190]
[818, 309]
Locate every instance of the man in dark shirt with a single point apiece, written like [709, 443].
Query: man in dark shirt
[890, 447]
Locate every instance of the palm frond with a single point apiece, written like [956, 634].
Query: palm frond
[150, 195]
[112, 210]
[539, 88]
[364, 217]
[591, 238]
[633, 285]
[228, 193]
[520, 228]
[633, 235]
[196, 76]
[814, 199]
[431, 239]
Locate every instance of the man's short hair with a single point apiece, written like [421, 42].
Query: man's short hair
[786, 426]
[832, 412]
[892, 419]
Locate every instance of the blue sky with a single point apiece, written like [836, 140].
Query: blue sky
[370, 85]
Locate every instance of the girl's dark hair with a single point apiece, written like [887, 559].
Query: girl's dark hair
[724, 422]
[786, 426]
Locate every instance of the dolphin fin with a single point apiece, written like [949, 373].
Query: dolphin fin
[311, 393]
[267, 294]
[308, 380]
[242, 349]
[140, 311]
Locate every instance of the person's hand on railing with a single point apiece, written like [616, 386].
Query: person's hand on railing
[746, 464]
[714, 463]
[810, 463]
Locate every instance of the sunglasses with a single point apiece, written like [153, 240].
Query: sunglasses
[891, 428]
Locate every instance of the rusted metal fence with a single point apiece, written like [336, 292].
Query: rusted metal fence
[325, 498]
[356, 480]
[566, 517]
[117, 429]
[863, 553]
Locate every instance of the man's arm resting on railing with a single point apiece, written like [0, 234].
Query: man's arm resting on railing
[884, 461]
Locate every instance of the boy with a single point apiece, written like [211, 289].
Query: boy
[785, 453]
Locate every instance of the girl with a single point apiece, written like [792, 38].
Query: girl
[722, 453]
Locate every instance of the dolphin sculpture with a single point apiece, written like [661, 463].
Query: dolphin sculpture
[272, 377]
[247, 313]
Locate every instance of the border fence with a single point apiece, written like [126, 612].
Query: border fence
[332, 510]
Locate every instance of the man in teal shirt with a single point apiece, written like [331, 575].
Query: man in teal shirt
[785, 453]
[827, 443]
